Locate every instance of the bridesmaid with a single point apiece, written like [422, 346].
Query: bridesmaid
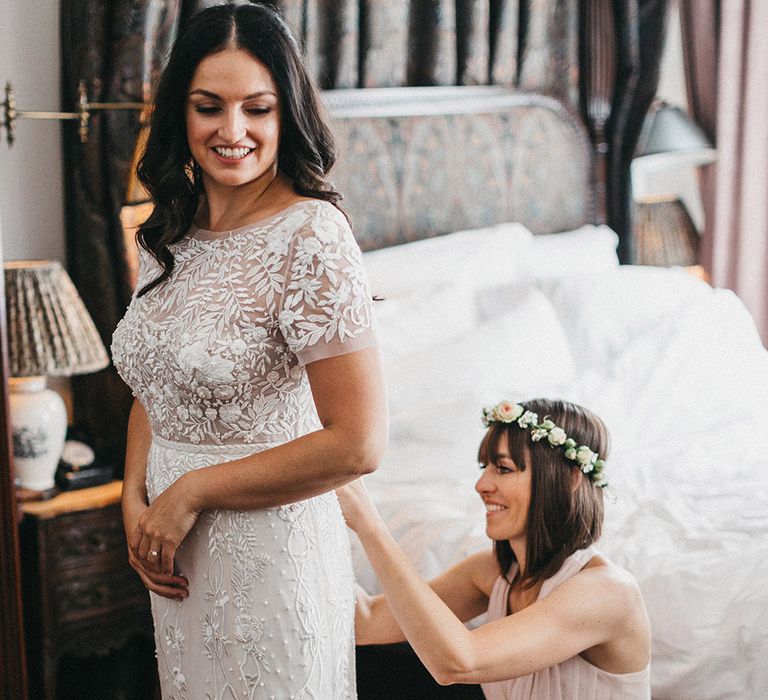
[563, 622]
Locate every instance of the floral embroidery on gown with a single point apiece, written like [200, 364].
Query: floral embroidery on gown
[216, 356]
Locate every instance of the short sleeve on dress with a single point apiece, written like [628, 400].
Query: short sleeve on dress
[326, 307]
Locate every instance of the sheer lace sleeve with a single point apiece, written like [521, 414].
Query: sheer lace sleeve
[325, 308]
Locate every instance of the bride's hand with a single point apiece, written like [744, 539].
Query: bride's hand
[161, 528]
[356, 505]
[174, 586]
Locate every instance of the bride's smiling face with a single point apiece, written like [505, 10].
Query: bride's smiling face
[233, 119]
[506, 491]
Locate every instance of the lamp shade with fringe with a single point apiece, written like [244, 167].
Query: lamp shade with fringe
[50, 333]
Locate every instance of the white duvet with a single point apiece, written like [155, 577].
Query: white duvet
[678, 373]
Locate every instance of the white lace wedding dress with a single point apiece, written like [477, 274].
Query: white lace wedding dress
[216, 356]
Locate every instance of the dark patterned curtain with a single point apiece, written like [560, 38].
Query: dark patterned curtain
[117, 48]
[548, 46]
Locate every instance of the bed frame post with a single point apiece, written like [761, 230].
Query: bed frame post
[622, 44]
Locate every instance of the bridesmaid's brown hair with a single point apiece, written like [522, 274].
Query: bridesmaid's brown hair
[564, 515]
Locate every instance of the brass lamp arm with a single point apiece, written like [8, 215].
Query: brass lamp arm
[82, 114]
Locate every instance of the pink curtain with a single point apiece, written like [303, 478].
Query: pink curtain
[727, 40]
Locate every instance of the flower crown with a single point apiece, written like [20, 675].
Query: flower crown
[588, 461]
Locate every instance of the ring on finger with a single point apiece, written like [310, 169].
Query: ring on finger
[153, 553]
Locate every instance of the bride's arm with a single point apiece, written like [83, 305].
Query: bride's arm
[134, 504]
[348, 392]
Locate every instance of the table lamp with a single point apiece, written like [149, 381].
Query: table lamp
[670, 137]
[664, 233]
[49, 334]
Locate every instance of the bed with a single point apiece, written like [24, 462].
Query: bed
[475, 209]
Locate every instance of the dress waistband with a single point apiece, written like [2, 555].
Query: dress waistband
[229, 448]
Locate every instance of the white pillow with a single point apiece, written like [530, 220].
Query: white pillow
[437, 442]
[479, 258]
[407, 324]
[519, 354]
[602, 313]
[591, 248]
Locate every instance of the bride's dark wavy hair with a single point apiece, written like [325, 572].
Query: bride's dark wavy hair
[306, 152]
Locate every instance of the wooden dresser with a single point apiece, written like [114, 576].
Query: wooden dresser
[81, 597]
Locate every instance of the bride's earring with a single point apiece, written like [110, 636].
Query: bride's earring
[194, 173]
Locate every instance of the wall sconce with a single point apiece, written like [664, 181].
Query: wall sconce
[50, 333]
[82, 113]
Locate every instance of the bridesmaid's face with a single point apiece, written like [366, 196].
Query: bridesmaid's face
[506, 492]
[233, 119]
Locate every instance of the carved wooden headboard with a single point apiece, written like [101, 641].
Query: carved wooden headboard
[420, 162]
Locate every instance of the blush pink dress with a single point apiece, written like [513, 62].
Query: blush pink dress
[574, 678]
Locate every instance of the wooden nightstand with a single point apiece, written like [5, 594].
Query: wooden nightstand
[80, 595]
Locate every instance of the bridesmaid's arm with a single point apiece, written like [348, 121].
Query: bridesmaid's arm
[594, 607]
[348, 391]
[463, 588]
[134, 504]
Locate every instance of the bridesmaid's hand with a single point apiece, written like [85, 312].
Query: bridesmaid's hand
[161, 528]
[356, 506]
[173, 586]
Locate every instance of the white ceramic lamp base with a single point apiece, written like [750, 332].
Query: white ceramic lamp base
[38, 427]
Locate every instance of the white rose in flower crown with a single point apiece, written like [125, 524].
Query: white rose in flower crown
[538, 433]
[599, 465]
[507, 412]
[586, 468]
[528, 419]
[584, 455]
[570, 453]
[557, 436]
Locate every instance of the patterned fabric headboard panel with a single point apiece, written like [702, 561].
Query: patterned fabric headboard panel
[421, 162]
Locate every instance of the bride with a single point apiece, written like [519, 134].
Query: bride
[249, 348]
